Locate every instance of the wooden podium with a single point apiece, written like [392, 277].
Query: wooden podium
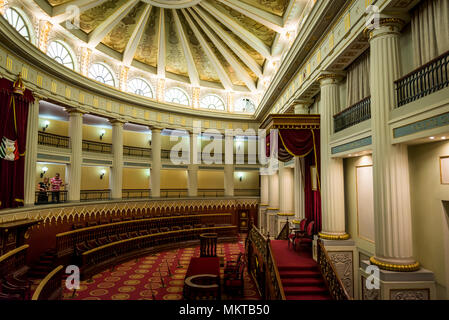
[14, 233]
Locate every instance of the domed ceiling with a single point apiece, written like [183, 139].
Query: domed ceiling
[213, 43]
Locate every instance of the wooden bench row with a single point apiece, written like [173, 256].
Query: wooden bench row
[97, 259]
[67, 241]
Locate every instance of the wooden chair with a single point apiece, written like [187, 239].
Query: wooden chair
[306, 238]
[232, 265]
[234, 282]
[208, 244]
[297, 232]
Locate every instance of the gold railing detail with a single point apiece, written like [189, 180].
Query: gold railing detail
[330, 275]
[50, 285]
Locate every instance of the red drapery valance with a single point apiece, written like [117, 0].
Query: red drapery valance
[13, 131]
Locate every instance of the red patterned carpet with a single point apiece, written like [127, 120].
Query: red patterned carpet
[159, 276]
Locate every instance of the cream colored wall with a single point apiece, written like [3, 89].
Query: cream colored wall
[90, 178]
[134, 178]
[350, 167]
[52, 170]
[136, 139]
[250, 180]
[92, 133]
[210, 179]
[55, 127]
[429, 219]
[174, 179]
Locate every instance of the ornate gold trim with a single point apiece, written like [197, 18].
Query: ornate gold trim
[272, 208]
[286, 214]
[395, 267]
[333, 237]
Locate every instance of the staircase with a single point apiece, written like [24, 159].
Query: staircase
[303, 283]
[44, 266]
[299, 273]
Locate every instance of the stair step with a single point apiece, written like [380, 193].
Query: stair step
[301, 282]
[300, 274]
[298, 268]
[309, 297]
[304, 290]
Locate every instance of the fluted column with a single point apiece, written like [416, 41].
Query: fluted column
[286, 203]
[76, 142]
[192, 170]
[117, 162]
[31, 152]
[273, 202]
[332, 175]
[229, 165]
[264, 190]
[393, 230]
[156, 162]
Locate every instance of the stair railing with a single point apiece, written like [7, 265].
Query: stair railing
[50, 287]
[262, 266]
[333, 282]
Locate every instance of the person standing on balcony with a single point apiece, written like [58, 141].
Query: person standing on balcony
[56, 184]
[43, 188]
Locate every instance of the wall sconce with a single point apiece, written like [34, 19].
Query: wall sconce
[102, 133]
[44, 170]
[102, 173]
[45, 125]
[240, 176]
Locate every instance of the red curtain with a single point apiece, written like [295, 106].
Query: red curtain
[303, 143]
[13, 126]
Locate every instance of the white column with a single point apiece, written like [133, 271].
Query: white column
[156, 163]
[264, 190]
[76, 142]
[117, 162]
[31, 152]
[332, 175]
[273, 189]
[393, 230]
[298, 179]
[286, 203]
[229, 165]
[192, 171]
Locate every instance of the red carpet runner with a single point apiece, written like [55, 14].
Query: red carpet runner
[299, 273]
[159, 276]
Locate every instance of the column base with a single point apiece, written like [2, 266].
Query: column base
[282, 220]
[262, 221]
[271, 214]
[395, 265]
[378, 284]
[333, 236]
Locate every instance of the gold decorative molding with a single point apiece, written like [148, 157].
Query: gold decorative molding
[333, 237]
[395, 267]
[286, 214]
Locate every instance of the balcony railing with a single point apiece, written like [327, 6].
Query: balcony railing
[54, 140]
[136, 152]
[427, 79]
[246, 192]
[99, 147]
[47, 197]
[95, 195]
[136, 193]
[353, 115]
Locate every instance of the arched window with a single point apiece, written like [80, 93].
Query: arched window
[244, 105]
[140, 87]
[176, 95]
[59, 52]
[212, 102]
[18, 22]
[102, 74]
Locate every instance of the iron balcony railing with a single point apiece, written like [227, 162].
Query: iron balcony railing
[95, 195]
[427, 79]
[136, 193]
[355, 114]
[99, 147]
[48, 197]
[54, 140]
[136, 152]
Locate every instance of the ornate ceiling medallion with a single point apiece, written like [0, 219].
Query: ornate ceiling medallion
[173, 4]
